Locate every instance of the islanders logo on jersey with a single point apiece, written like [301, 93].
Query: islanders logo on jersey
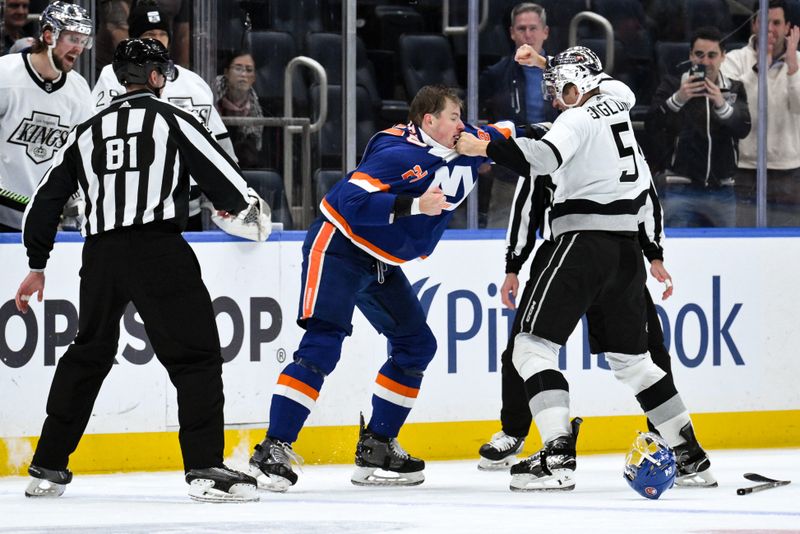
[42, 135]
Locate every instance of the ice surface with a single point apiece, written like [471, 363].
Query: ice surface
[455, 497]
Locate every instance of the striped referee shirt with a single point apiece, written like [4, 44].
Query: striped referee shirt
[530, 211]
[131, 163]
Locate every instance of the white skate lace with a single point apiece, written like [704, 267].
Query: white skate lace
[502, 441]
[283, 453]
[397, 449]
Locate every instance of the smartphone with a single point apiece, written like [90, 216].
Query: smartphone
[698, 72]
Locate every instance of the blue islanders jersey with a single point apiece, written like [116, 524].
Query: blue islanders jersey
[403, 160]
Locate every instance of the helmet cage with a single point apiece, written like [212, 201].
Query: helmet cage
[650, 466]
[556, 79]
[577, 65]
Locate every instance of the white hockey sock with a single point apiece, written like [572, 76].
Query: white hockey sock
[552, 423]
[670, 430]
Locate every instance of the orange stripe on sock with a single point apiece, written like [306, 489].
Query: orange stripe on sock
[315, 259]
[397, 387]
[302, 387]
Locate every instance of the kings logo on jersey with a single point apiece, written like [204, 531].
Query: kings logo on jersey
[42, 135]
[202, 112]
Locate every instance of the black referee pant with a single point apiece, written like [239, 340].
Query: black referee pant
[515, 413]
[154, 268]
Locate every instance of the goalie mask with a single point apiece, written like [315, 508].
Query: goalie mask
[650, 466]
[578, 66]
[63, 17]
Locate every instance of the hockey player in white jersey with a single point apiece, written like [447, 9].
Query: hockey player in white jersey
[41, 99]
[188, 91]
[596, 268]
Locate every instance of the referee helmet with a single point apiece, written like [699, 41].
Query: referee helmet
[134, 59]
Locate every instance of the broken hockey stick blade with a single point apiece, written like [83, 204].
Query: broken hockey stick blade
[766, 483]
[754, 477]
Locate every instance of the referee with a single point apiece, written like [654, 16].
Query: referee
[131, 163]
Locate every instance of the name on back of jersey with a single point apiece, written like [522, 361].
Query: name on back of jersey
[606, 108]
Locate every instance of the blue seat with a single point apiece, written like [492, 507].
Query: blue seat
[673, 58]
[272, 51]
[701, 13]
[426, 59]
[330, 136]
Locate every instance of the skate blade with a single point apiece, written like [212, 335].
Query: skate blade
[273, 483]
[497, 465]
[203, 490]
[38, 487]
[367, 476]
[701, 479]
[560, 480]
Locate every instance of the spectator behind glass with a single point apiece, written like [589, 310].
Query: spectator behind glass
[698, 119]
[510, 91]
[234, 96]
[783, 126]
[15, 23]
[178, 14]
[113, 27]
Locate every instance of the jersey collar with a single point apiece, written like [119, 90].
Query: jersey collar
[45, 85]
[437, 149]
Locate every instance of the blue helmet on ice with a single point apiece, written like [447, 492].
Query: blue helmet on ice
[650, 466]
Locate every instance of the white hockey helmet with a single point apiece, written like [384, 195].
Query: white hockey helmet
[578, 66]
[60, 17]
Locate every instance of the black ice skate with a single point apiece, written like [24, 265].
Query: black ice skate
[221, 484]
[271, 464]
[693, 463]
[550, 469]
[500, 452]
[47, 482]
[375, 452]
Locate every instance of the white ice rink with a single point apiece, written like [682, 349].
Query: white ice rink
[455, 497]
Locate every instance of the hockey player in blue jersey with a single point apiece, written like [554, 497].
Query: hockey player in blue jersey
[392, 208]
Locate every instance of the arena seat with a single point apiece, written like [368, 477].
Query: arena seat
[330, 136]
[426, 59]
[272, 51]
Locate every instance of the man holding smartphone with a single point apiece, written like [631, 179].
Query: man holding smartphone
[697, 120]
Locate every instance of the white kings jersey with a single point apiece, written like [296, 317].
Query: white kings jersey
[35, 118]
[600, 175]
[188, 91]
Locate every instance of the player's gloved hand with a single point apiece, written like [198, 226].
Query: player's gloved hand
[537, 130]
[253, 223]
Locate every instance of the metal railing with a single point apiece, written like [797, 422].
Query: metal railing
[304, 213]
[459, 30]
[588, 16]
[292, 129]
